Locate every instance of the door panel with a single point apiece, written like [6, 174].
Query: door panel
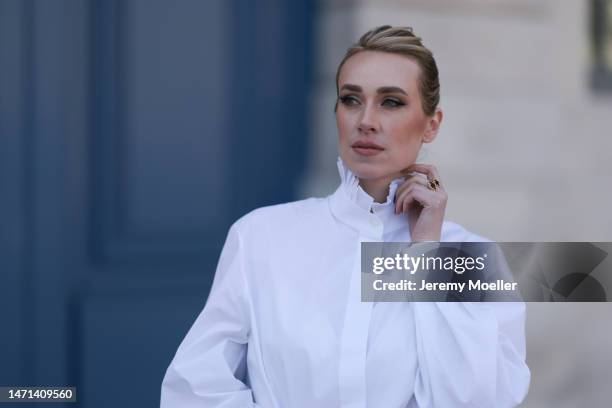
[132, 134]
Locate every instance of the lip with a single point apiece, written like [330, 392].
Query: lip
[367, 148]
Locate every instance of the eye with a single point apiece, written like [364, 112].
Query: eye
[392, 103]
[349, 100]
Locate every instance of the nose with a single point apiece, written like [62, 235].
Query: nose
[369, 121]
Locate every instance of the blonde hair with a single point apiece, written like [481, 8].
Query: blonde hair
[401, 40]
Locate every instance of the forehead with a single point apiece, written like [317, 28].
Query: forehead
[375, 69]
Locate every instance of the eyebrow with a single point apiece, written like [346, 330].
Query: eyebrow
[381, 90]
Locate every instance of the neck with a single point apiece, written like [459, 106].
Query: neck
[377, 188]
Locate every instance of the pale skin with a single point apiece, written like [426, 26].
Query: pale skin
[379, 102]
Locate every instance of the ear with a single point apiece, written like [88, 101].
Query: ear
[433, 125]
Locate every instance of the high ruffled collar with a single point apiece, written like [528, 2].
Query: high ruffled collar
[350, 185]
[351, 205]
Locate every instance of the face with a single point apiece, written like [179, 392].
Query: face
[381, 123]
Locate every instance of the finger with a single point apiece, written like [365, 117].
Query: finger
[415, 179]
[409, 201]
[403, 193]
[428, 169]
[415, 196]
[423, 197]
[417, 192]
[401, 196]
[419, 180]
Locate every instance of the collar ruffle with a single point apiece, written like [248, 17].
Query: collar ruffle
[350, 185]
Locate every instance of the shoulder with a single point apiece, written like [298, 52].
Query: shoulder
[277, 217]
[453, 232]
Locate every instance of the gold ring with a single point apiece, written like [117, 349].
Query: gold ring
[433, 184]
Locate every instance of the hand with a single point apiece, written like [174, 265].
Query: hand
[425, 207]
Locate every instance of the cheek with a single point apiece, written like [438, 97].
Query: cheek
[407, 132]
[406, 138]
[344, 124]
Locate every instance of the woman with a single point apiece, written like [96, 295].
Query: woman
[284, 325]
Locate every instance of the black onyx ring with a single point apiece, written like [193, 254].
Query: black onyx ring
[433, 184]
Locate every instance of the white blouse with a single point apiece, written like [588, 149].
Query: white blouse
[284, 325]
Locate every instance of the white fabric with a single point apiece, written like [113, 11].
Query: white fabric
[284, 325]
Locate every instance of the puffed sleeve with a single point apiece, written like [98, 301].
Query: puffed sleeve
[470, 354]
[209, 367]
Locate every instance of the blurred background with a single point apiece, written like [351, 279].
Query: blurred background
[134, 132]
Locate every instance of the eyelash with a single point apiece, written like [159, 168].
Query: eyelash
[348, 100]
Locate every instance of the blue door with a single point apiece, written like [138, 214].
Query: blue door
[132, 134]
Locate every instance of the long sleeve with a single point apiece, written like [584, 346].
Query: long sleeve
[470, 354]
[209, 367]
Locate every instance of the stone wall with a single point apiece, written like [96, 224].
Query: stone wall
[525, 150]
